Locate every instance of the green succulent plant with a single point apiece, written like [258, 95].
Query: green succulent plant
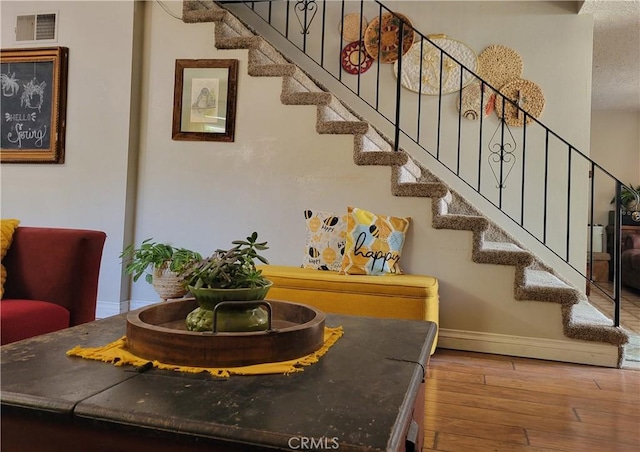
[151, 254]
[234, 268]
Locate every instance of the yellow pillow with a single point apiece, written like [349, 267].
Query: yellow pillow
[7, 228]
[374, 243]
[325, 242]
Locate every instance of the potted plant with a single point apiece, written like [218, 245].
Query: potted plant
[629, 197]
[229, 276]
[161, 264]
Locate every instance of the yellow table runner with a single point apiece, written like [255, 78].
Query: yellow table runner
[117, 354]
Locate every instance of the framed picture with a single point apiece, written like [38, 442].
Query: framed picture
[33, 106]
[204, 100]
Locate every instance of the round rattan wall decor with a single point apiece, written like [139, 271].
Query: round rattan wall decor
[498, 65]
[421, 66]
[524, 93]
[355, 59]
[353, 27]
[382, 37]
[471, 96]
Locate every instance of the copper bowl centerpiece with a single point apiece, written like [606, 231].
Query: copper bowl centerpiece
[159, 332]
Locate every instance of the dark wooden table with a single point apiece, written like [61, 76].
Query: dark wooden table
[366, 393]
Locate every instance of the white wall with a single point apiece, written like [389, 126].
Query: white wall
[615, 146]
[202, 195]
[89, 189]
[564, 75]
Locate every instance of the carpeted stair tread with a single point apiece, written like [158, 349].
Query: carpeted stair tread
[271, 70]
[584, 321]
[458, 205]
[340, 127]
[380, 158]
[297, 84]
[194, 11]
[336, 110]
[412, 172]
[228, 26]
[258, 56]
[418, 189]
[539, 278]
[500, 246]
[236, 42]
[304, 98]
[460, 222]
[369, 143]
[498, 253]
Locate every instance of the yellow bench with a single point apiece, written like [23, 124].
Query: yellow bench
[413, 297]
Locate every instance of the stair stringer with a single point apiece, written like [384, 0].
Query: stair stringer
[533, 281]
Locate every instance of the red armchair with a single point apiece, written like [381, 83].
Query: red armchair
[52, 281]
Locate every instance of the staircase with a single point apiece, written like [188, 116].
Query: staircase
[534, 280]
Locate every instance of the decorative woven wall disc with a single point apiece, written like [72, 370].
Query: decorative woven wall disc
[498, 65]
[470, 102]
[429, 60]
[384, 36]
[351, 27]
[355, 59]
[524, 93]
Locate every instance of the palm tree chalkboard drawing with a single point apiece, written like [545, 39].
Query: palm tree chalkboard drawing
[32, 89]
[10, 85]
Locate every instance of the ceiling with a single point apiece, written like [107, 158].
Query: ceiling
[616, 54]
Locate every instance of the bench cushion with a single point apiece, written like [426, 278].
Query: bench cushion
[413, 297]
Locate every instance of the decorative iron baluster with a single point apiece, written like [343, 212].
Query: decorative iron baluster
[302, 10]
[502, 153]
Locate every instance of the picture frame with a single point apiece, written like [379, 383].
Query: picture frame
[34, 103]
[204, 100]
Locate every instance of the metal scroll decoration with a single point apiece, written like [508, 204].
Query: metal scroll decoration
[302, 9]
[428, 70]
[502, 158]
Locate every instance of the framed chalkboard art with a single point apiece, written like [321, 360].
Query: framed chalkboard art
[204, 100]
[33, 106]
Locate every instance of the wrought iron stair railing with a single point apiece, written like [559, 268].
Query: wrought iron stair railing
[551, 172]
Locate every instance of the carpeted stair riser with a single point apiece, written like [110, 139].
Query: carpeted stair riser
[408, 178]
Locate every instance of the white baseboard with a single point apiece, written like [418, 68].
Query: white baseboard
[137, 304]
[570, 351]
[110, 308]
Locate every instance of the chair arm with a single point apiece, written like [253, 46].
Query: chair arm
[57, 265]
[631, 242]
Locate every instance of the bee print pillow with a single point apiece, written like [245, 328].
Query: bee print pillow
[373, 243]
[326, 237]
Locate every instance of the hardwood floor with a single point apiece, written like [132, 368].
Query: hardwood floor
[482, 402]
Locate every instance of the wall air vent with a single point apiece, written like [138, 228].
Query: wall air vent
[36, 27]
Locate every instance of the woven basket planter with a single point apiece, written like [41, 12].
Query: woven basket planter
[167, 283]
